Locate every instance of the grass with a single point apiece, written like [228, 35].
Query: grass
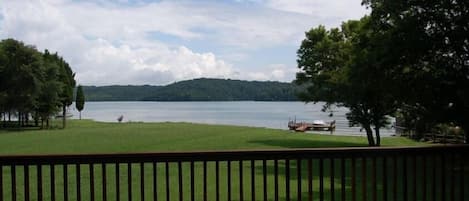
[87, 136]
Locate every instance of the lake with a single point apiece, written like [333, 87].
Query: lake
[244, 113]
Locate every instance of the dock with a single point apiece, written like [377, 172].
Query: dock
[304, 126]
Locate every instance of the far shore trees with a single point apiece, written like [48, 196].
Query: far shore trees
[80, 99]
[33, 85]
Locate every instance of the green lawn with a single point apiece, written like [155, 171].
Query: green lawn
[87, 136]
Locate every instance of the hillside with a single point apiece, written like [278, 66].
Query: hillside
[202, 89]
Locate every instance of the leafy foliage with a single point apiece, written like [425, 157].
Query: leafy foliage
[80, 99]
[427, 50]
[33, 84]
[341, 66]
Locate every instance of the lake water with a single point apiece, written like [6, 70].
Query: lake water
[245, 113]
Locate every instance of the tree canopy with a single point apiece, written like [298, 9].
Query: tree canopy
[406, 56]
[339, 66]
[32, 84]
[80, 99]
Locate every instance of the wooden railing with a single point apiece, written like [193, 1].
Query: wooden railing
[402, 173]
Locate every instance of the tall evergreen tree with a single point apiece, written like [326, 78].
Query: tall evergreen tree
[80, 99]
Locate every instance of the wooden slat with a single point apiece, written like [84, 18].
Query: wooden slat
[414, 177]
[241, 193]
[104, 181]
[52, 182]
[192, 181]
[394, 172]
[39, 182]
[385, 179]
[404, 179]
[462, 189]
[298, 178]
[253, 181]
[453, 177]
[228, 167]
[205, 180]
[287, 180]
[264, 179]
[117, 181]
[1, 182]
[276, 180]
[168, 193]
[26, 182]
[181, 195]
[217, 181]
[374, 191]
[321, 179]
[310, 179]
[13, 182]
[332, 171]
[424, 177]
[155, 181]
[435, 164]
[129, 181]
[65, 176]
[354, 180]
[364, 179]
[342, 179]
[78, 182]
[142, 181]
[443, 177]
[91, 170]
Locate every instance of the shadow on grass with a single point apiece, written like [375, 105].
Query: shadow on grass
[297, 143]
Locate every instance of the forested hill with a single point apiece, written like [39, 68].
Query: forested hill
[196, 90]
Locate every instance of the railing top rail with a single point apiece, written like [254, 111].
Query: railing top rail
[227, 155]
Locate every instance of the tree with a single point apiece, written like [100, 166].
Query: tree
[32, 83]
[21, 74]
[67, 78]
[339, 66]
[80, 99]
[49, 93]
[427, 55]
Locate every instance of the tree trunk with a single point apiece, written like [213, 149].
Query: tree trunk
[80, 115]
[378, 137]
[47, 123]
[369, 135]
[9, 117]
[64, 115]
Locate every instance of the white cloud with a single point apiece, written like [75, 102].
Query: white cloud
[112, 43]
[331, 12]
[274, 72]
[123, 57]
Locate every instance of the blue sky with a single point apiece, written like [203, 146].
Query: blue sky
[160, 42]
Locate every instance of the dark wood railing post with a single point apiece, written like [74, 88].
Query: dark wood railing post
[401, 171]
[52, 182]
[26, 182]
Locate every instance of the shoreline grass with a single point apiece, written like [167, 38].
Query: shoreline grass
[87, 136]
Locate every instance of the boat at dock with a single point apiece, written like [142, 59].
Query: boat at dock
[318, 125]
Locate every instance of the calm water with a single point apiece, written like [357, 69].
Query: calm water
[245, 113]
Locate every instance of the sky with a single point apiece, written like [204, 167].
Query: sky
[136, 42]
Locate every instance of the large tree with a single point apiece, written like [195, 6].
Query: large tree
[32, 83]
[427, 51]
[339, 66]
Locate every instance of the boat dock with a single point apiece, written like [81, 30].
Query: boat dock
[304, 126]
